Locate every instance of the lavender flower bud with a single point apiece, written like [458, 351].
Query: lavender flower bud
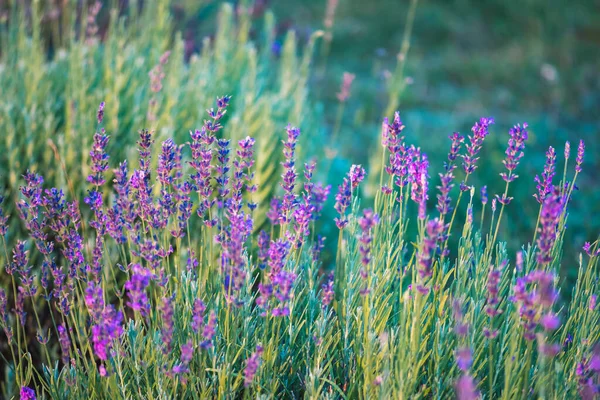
[100, 114]
[579, 159]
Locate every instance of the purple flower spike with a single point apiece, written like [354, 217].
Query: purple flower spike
[367, 222]
[3, 219]
[198, 315]
[480, 131]
[579, 159]
[289, 174]
[464, 358]
[447, 177]
[514, 152]
[491, 308]
[157, 74]
[344, 92]
[106, 332]
[99, 159]
[252, 365]
[433, 231]
[466, 389]
[166, 163]
[419, 178]
[100, 114]
[327, 291]
[65, 343]
[394, 141]
[343, 199]
[552, 209]
[136, 287]
[484, 195]
[544, 184]
[167, 329]
[356, 175]
[319, 195]
[209, 331]
[457, 140]
[550, 322]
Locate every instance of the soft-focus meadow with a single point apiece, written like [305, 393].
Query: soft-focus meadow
[216, 200]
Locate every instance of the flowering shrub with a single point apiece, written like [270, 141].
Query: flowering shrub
[141, 305]
[162, 265]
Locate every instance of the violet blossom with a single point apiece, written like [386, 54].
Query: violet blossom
[252, 364]
[514, 151]
[544, 184]
[480, 131]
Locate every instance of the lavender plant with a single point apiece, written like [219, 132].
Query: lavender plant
[132, 57]
[142, 305]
